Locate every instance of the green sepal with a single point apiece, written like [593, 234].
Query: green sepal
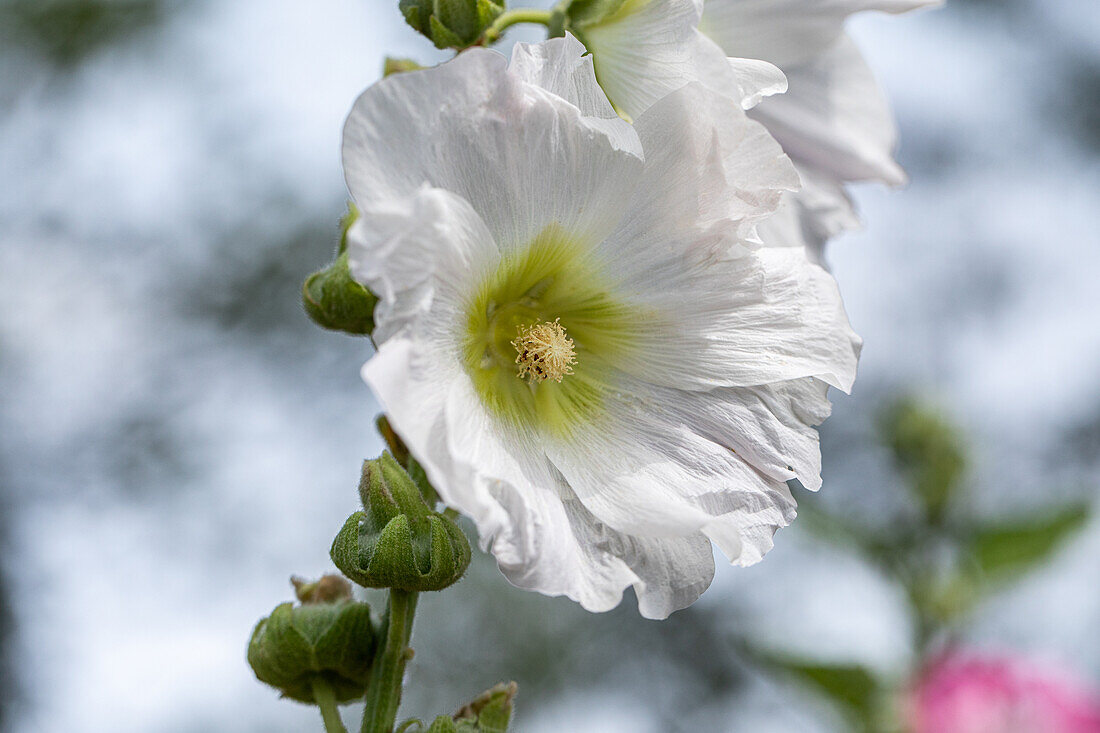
[556, 27]
[393, 440]
[490, 712]
[447, 724]
[420, 478]
[416, 14]
[443, 724]
[399, 66]
[581, 13]
[295, 644]
[345, 551]
[442, 36]
[401, 452]
[398, 541]
[336, 301]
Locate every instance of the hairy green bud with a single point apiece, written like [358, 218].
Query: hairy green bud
[451, 23]
[329, 636]
[398, 541]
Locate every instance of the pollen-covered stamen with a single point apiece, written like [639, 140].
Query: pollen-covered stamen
[544, 352]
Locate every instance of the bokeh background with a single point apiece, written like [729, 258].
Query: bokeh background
[176, 438]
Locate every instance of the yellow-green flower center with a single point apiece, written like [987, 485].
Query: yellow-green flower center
[544, 333]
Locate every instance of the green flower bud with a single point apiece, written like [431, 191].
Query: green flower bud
[451, 23]
[398, 542]
[333, 299]
[401, 453]
[329, 636]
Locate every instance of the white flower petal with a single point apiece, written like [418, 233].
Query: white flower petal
[787, 32]
[835, 118]
[756, 79]
[646, 50]
[399, 247]
[810, 217]
[522, 156]
[564, 67]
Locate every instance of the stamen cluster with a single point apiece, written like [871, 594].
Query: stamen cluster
[544, 352]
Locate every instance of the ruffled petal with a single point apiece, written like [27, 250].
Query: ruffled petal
[771, 427]
[787, 32]
[648, 471]
[521, 156]
[767, 316]
[835, 118]
[563, 67]
[810, 217]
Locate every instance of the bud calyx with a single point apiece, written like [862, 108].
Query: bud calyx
[398, 541]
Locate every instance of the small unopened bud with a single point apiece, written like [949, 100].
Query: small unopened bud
[490, 712]
[398, 541]
[329, 636]
[329, 589]
[451, 23]
[336, 301]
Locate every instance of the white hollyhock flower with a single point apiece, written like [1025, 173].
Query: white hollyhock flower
[644, 49]
[583, 343]
[833, 121]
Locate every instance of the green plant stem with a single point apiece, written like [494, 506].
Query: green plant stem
[326, 701]
[511, 17]
[388, 669]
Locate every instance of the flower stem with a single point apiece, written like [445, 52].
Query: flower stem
[511, 17]
[326, 701]
[384, 689]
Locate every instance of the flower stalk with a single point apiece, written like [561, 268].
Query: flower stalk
[384, 690]
[325, 698]
[512, 17]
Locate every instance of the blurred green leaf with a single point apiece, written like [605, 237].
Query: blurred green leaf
[1008, 549]
[68, 30]
[852, 687]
